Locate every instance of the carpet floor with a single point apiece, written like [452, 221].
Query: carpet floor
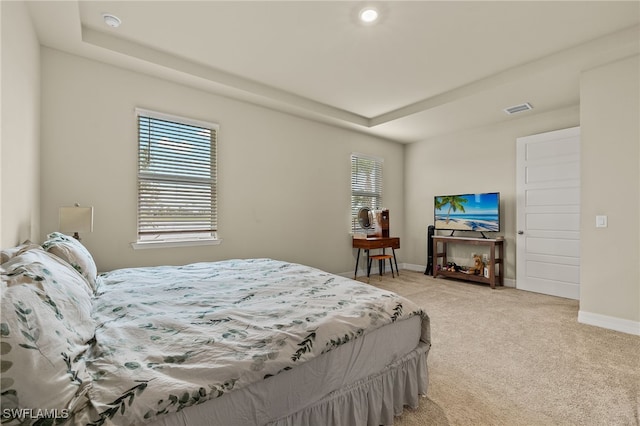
[511, 357]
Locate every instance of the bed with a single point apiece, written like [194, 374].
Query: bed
[236, 342]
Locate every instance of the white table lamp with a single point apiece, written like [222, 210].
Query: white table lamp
[75, 219]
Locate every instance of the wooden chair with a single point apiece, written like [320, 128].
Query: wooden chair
[380, 258]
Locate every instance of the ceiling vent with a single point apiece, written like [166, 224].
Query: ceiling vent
[518, 108]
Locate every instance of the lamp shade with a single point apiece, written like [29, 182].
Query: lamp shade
[75, 219]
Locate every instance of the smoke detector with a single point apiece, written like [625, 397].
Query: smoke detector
[111, 20]
[518, 108]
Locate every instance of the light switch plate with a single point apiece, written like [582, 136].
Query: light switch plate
[601, 221]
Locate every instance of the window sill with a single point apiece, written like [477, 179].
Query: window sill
[141, 245]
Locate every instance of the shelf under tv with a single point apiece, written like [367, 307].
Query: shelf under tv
[495, 264]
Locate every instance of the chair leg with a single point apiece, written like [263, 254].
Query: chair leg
[369, 260]
[380, 266]
[391, 266]
[395, 260]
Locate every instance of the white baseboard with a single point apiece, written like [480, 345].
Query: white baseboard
[611, 323]
[374, 270]
[411, 267]
[346, 274]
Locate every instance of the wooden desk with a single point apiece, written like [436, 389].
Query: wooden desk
[373, 243]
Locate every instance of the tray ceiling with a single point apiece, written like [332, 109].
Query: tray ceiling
[425, 68]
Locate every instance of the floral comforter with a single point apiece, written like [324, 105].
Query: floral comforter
[171, 337]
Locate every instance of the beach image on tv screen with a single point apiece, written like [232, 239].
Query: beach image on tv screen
[468, 212]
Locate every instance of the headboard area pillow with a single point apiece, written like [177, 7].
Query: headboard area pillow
[6, 254]
[72, 251]
[46, 328]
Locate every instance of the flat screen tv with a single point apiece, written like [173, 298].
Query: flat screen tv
[468, 212]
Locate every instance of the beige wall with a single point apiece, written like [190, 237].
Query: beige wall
[284, 182]
[610, 111]
[477, 160]
[19, 140]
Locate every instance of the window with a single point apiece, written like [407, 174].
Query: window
[366, 186]
[176, 178]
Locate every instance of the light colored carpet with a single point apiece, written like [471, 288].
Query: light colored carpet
[511, 357]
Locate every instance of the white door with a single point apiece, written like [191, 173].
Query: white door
[548, 213]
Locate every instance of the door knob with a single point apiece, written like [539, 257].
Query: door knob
[520, 232]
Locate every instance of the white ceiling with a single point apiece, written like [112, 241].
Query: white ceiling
[424, 69]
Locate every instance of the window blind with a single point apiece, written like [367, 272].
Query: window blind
[366, 186]
[176, 178]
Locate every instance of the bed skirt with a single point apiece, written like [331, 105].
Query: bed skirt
[363, 382]
[372, 401]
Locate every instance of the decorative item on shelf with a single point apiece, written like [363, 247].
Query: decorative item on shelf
[380, 223]
[376, 223]
[75, 219]
[384, 222]
[365, 220]
[452, 267]
[478, 266]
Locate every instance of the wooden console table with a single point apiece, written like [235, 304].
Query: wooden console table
[372, 243]
[495, 264]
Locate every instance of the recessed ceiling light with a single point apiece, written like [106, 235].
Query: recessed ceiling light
[368, 15]
[111, 20]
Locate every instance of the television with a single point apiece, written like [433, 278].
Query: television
[467, 212]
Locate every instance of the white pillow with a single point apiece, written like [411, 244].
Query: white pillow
[71, 250]
[45, 331]
[6, 254]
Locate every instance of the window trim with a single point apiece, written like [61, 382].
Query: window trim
[143, 245]
[177, 241]
[173, 117]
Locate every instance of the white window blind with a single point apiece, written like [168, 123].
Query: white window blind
[176, 178]
[366, 186]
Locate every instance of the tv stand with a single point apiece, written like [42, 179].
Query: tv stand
[495, 264]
